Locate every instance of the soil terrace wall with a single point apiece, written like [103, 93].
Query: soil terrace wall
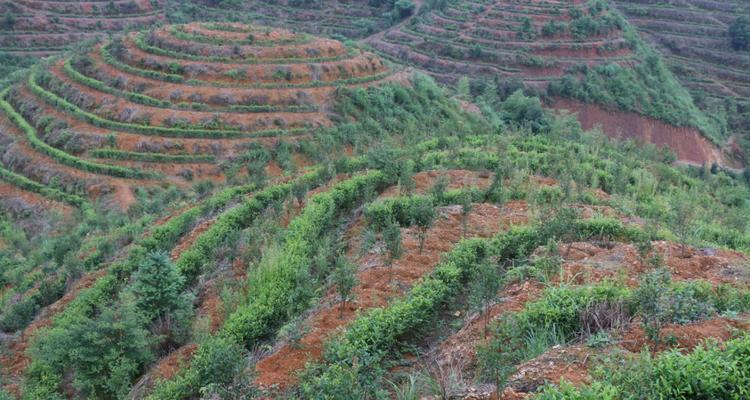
[690, 146]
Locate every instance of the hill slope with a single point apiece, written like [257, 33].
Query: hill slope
[694, 38]
[173, 104]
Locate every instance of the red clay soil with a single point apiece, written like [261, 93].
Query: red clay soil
[460, 349]
[587, 263]
[170, 365]
[569, 363]
[187, 241]
[14, 361]
[572, 363]
[690, 146]
[210, 304]
[377, 283]
[687, 336]
[30, 198]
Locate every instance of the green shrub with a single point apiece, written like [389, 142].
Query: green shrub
[282, 288]
[710, 371]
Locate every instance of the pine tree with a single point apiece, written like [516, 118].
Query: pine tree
[158, 286]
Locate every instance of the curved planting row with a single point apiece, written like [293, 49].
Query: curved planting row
[183, 102]
[41, 28]
[232, 210]
[578, 50]
[533, 42]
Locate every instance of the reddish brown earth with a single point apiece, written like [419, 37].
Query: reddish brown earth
[572, 363]
[587, 262]
[686, 336]
[688, 143]
[377, 283]
[10, 192]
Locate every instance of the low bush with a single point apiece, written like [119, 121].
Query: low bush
[710, 371]
[115, 154]
[282, 288]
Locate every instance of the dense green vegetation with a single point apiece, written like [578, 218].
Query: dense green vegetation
[212, 275]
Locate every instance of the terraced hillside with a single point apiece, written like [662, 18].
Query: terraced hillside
[338, 18]
[694, 38]
[418, 247]
[176, 104]
[580, 50]
[34, 28]
[532, 41]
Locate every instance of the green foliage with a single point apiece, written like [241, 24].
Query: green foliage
[105, 351]
[185, 132]
[739, 33]
[647, 88]
[217, 369]
[404, 211]
[157, 286]
[524, 111]
[63, 157]
[352, 365]
[46, 191]
[282, 287]
[115, 154]
[344, 279]
[553, 319]
[710, 371]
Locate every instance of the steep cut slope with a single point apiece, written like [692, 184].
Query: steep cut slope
[172, 104]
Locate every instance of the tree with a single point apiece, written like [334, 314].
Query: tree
[157, 291]
[438, 189]
[494, 192]
[299, 190]
[484, 290]
[683, 210]
[463, 87]
[104, 353]
[392, 238]
[466, 207]
[404, 8]
[739, 33]
[522, 110]
[406, 178]
[344, 278]
[157, 285]
[9, 21]
[648, 296]
[423, 215]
